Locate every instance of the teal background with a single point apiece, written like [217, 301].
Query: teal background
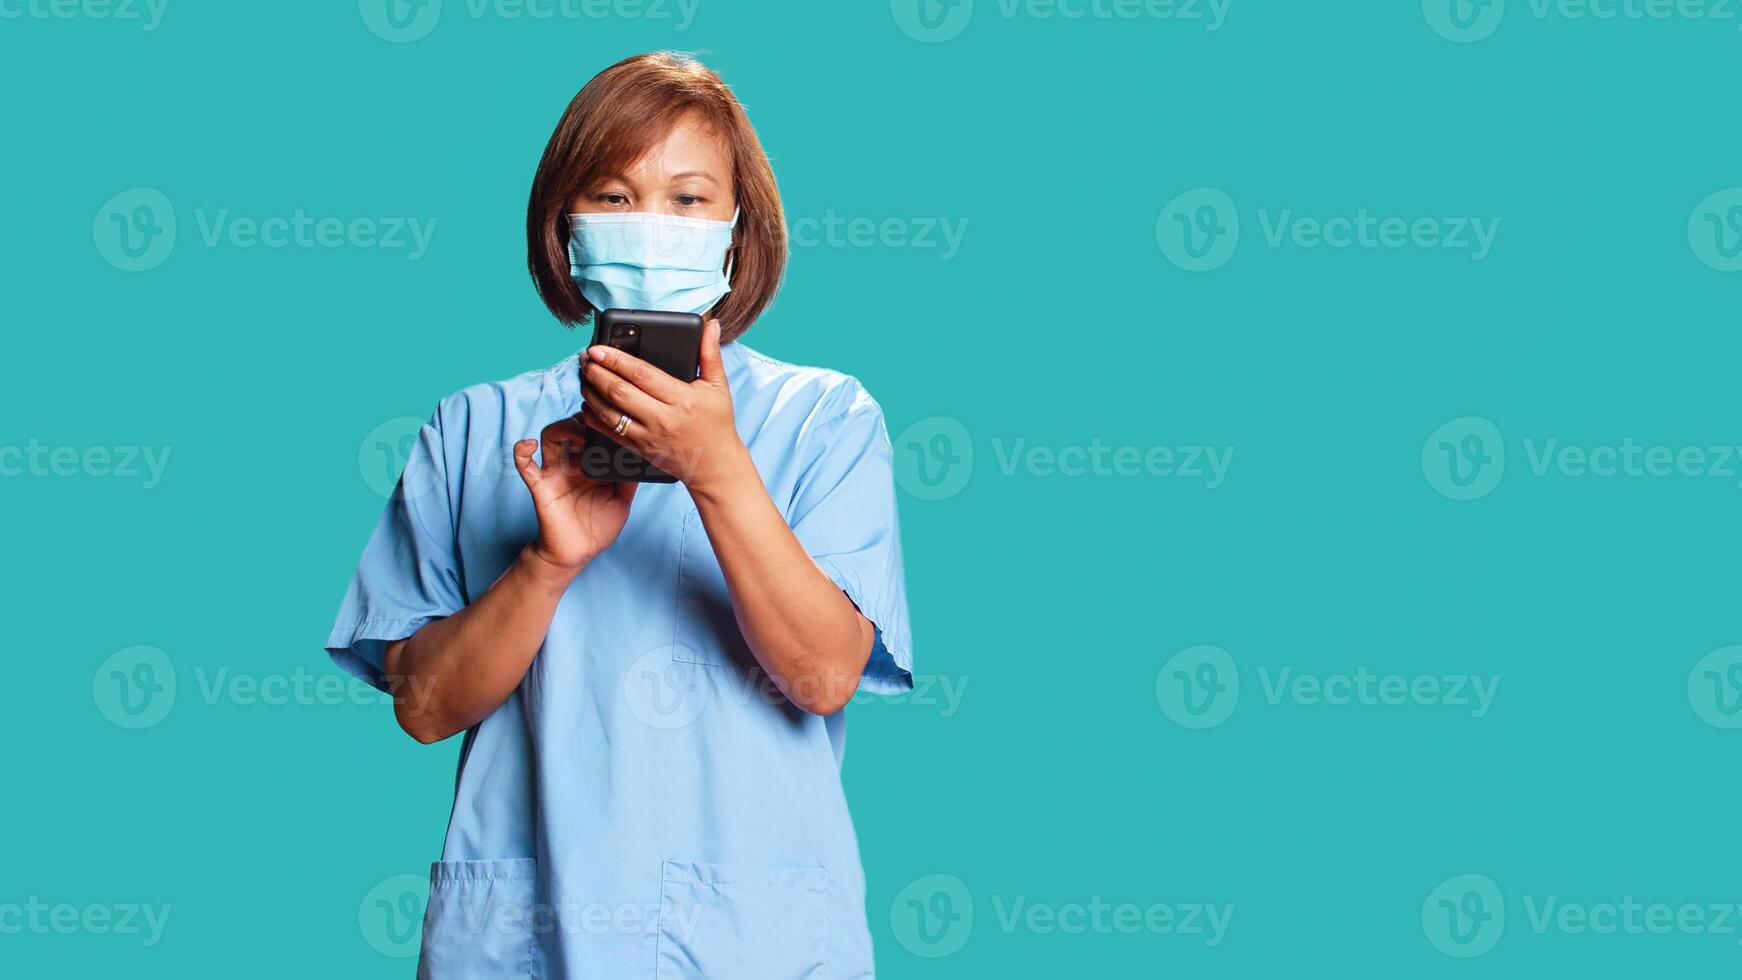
[1050, 603]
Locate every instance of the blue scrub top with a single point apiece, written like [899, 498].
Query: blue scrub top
[646, 804]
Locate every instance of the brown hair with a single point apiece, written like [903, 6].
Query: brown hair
[609, 125]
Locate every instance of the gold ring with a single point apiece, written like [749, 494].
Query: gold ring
[622, 425]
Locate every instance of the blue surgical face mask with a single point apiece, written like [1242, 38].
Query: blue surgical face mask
[640, 261]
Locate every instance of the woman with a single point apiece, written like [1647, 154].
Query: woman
[650, 678]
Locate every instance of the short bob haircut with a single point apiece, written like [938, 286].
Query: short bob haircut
[613, 122]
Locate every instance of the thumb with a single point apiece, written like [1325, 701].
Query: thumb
[713, 370]
[523, 462]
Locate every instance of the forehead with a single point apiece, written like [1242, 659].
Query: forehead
[691, 145]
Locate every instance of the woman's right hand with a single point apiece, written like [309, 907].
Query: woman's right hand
[449, 675]
[577, 517]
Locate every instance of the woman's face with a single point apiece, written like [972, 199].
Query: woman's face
[689, 173]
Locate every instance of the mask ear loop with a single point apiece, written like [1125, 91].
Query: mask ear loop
[732, 253]
[565, 228]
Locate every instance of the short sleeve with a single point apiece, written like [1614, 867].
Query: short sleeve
[408, 576]
[844, 514]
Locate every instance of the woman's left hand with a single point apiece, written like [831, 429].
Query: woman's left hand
[687, 430]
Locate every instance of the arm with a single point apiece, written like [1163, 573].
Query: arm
[452, 673]
[802, 628]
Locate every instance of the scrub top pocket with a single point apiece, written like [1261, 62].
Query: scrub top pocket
[478, 923]
[707, 629]
[726, 922]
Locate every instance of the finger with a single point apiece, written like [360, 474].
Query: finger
[599, 408]
[638, 373]
[621, 394]
[563, 431]
[593, 415]
[713, 369]
[604, 418]
[631, 438]
[563, 441]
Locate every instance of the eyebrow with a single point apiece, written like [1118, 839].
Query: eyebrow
[619, 178]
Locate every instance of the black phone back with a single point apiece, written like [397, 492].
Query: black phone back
[671, 342]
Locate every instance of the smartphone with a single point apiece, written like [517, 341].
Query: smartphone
[671, 342]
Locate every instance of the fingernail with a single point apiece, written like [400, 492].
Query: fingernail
[597, 353]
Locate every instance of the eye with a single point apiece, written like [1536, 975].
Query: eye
[612, 199]
[689, 201]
